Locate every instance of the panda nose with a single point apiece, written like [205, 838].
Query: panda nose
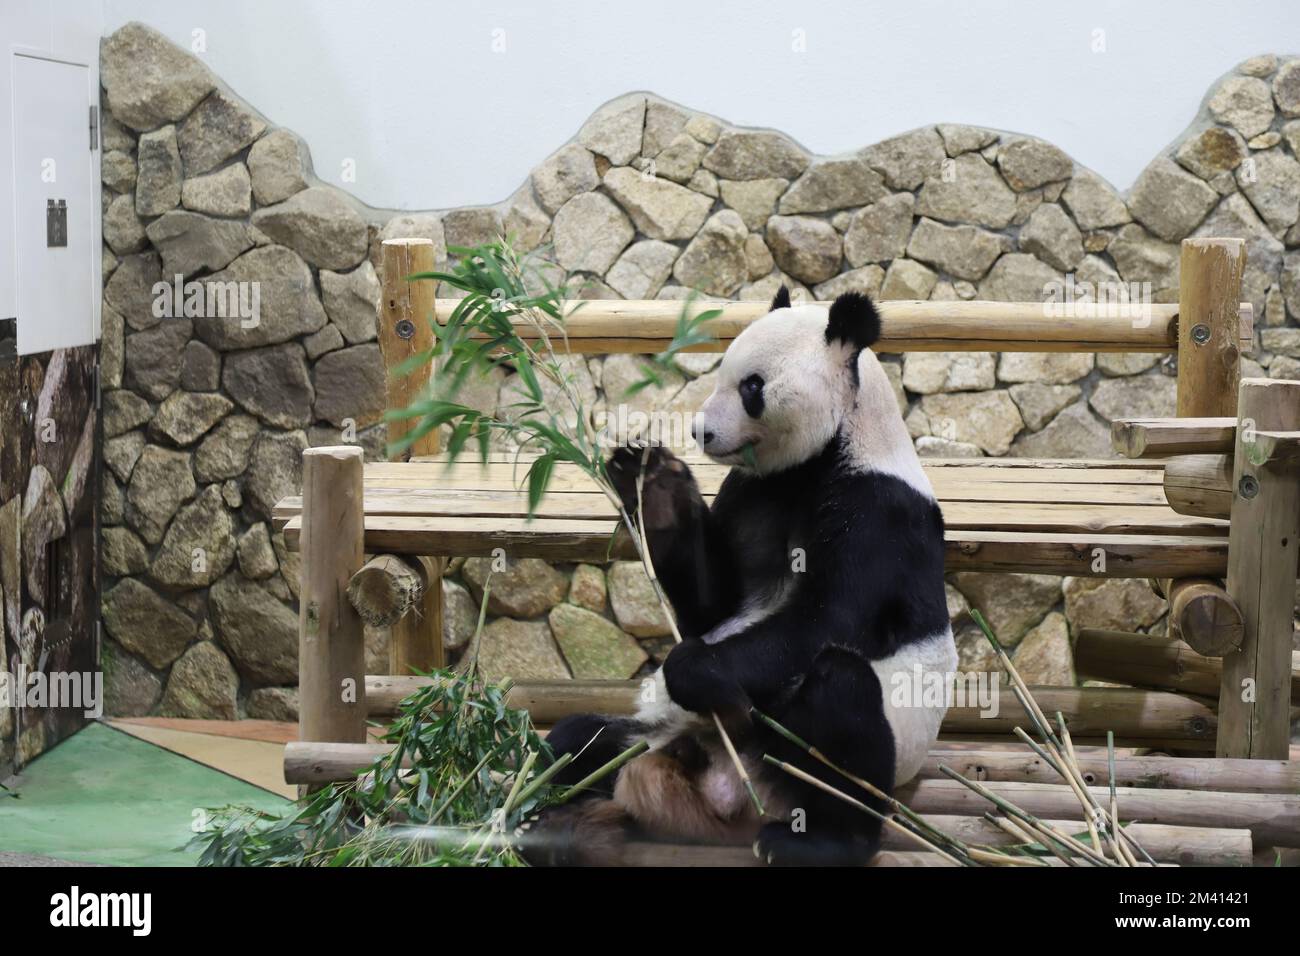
[701, 435]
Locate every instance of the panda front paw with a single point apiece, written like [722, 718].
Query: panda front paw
[668, 491]
[779, 844]
[696, 681]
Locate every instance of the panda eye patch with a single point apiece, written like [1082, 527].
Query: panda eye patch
[751, 395]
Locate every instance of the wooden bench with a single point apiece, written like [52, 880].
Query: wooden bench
[1109, 518]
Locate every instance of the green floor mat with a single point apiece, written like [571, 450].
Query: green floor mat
[103, 796]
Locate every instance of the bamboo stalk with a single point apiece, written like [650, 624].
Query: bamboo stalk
[635, 750]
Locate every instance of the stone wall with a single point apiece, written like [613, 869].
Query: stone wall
[205, 420]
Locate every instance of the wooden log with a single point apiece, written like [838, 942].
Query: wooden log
[405, 316]
[546, 701]
[1185, 846]
[1272, 818]
[415, 643]
[1199, 484]
[1179, 773]
[1263, 548]
[316, 763]
[1204, 615]
[385, 589]
[1156, 662]
[1209, 341]
[1160, 437]
[331, 642]
[644, 326]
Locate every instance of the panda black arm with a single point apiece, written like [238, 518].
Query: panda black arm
[688, 544]
[874, 582]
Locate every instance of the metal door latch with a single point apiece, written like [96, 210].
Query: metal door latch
[56, 222]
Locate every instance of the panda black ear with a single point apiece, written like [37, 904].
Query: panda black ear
[781, 300]
[854, 321]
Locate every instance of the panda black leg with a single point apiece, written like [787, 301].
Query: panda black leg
[838, 709]
[594, 740]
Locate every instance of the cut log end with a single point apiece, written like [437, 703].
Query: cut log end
[385, 590]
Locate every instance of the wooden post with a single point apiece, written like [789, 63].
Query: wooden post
[331, 640]
[404, 316]
[1209, 346]
[1263, 547]
[415, 641]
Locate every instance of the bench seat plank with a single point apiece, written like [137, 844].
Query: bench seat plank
[1001, 515]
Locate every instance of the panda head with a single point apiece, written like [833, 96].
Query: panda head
[788, 381]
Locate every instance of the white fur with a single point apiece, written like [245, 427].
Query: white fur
[915, 725]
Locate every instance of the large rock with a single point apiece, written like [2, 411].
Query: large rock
[594, 648]
[521, 650]
[908, 160]
[680, 160]
[1044, 656]
[907, 280]
[160, 482]
[1020, 277]
[321, 224]
[217, 129]
[806, 248]
[659, 208]
[928, 372]
[1286, 88]
[754, 199]
[1117, 604]
[1052, 236]
[122, 452]
[191, 242]
[528, 587]
[271, 383]
[642, 269]
[1245, 103]
[1170, 201]
[878, 233]
[274, 470]
[224, 453]
[277, 167]
[1039, 403]
[274, 703]
[962, 251]
[287, 306]
[714, 261]
[1011, 603]
[970, 190]
[352, 301]
[1093, 202]
[635, 603]
[1214, 150]
[158, 180]
[987, 419]
[866, 280]
[755, 154]
[1052, 368]
[526, 221]
[459, 616]
[123, 228]
[149, 81]
[1273, 187]
[146, 623]
[153, 358]
[184, 417]
[202, 685]
[227, 192]
[587, 588]
[130, 289]
[349, 386]
[200, 368]
[614, 131]
[472, 227]
[1144, 396]
[124, 411]
[259, 632]
[1235, 218]
[1141, 257]
[570, 172]
[199, 545]
[130, 688]
[122, 552]
[830, 184]
[590, 231]
[1074, 433]
[255, 554]
[1030, 163]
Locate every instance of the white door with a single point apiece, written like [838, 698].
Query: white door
[53, 161]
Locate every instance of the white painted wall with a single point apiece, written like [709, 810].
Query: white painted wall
[413, 93]
[61, 29]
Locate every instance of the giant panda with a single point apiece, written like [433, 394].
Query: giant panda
[809, 591]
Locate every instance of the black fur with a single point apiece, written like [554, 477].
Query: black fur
[853, 321]
[781, 300]
[751, 396]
